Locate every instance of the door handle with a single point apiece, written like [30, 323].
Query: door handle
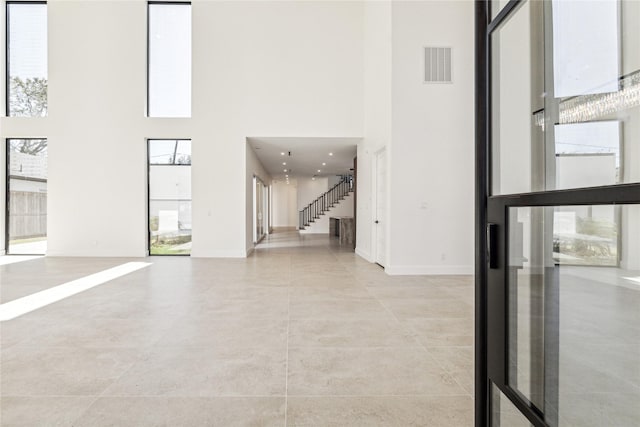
[492, 245]
[376, 221]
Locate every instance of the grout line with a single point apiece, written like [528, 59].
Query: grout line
[421, 345]
[286, 369]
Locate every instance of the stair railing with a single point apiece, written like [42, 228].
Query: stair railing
[325, 201]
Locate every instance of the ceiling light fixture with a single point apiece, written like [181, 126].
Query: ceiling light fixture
[284, 170]
[324, 164]
[282, 153]
[331, 154]
[284, 163]
[318, 170]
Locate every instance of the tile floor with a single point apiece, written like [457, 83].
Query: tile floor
[303, 332]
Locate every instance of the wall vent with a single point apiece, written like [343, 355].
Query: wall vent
[437, 65]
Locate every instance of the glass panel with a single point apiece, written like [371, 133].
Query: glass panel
[518, 83]
[169, 201]
[566, 96]
[169, 60]
[503, 412]
[27, 166]
[574, 312]
[27, 56]
[170, 152]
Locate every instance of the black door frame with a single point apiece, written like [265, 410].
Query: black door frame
[491, 321]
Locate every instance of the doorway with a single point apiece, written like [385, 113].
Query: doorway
[380, 208]
[26, 204]
[169, 204]
[558, 213]
[260, 210]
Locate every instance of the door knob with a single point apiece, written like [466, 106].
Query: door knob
[377, 221]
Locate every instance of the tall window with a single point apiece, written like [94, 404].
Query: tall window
[169, 197]
[27, 198]
[169, 68]
[26, 59]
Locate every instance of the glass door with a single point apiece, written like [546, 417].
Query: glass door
[27, 161]
[169, 196]
[558, 231]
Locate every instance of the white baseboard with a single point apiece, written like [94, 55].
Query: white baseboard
[429, 270]
[363, 254]
[250, 251]
[56, 254]
[241, 253]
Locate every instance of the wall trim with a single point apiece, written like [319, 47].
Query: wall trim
[54, 254]
[427, 270]
[250, 251]
[240, 253]
[363, 254]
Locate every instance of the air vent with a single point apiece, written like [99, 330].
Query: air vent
[437, 65]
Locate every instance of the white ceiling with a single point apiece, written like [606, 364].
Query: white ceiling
[304, 156]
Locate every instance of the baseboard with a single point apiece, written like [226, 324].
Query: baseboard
[3, 252]
[429, 270]
[55, 254]
[363, 254]
[242, 253]
[250, 251]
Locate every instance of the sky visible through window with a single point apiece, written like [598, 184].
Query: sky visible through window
[170, 60]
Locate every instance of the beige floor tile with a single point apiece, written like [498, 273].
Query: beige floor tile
[60, 371]
[457, 331]
[30, 411]
[234, 332]
[367, 371]
[428, 308]
[453, 411]
[453, 358]
[201, 372]
[369, 332]
[353, 308]
[177, 411]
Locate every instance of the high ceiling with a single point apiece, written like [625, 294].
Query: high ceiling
[305, 156]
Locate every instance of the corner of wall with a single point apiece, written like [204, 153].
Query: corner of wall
[362, 254]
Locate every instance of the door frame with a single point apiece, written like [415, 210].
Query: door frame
[491, 242]
[374, 207]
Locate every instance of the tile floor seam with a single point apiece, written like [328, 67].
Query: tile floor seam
[421, 345]
[286, 368]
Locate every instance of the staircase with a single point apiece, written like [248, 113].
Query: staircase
[316, 209]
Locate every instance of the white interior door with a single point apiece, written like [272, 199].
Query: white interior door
[381, 208]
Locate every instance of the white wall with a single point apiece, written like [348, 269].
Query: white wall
[259, 68]
[377, 113]
[309, 190]
[284, 204]
[254, 168]
[431, 184]
[284, 74]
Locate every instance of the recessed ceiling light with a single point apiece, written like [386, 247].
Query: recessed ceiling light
[282, 153]
[284, 170]
[287, 176]
[313, 178]
[318, 170]
[284, 163]
[331, 154]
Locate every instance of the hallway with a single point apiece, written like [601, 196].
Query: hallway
[303, 332]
